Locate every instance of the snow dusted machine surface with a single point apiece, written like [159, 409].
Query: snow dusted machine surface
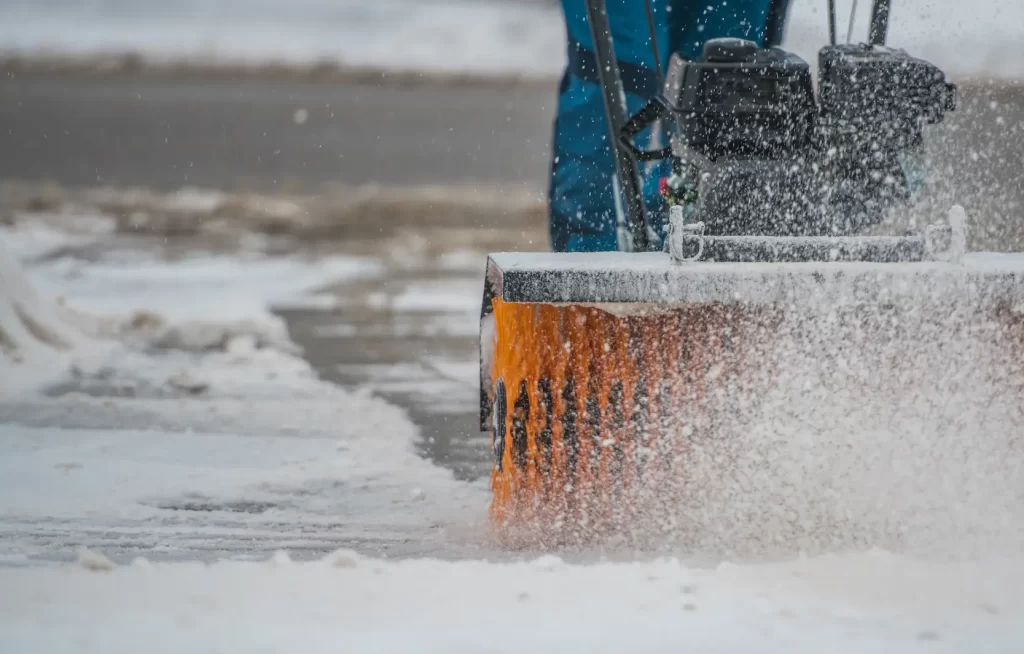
[615, 382]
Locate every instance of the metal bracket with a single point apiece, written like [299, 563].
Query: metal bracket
[682, 235]
[947, 241]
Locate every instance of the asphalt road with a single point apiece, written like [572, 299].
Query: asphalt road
[292, 136]
[267, 136]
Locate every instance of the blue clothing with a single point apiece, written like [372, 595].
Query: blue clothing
[581, 201]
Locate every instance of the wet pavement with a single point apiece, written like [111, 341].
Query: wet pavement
[267, 136]
[424, 360]
[411, 335]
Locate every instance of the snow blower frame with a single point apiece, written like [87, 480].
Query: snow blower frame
[586, 357]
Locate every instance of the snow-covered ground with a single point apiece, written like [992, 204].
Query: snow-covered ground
[160, 408]
[984, 38]
[872, 602]
[189, 460]
[208, 314]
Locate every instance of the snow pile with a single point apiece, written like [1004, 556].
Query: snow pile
[211, 322]
[344, 602]
[35, 333]
[451, 36]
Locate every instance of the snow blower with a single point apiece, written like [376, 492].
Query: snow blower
[612, 382]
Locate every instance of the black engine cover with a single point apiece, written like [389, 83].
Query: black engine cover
[778, 162]
[742, 100]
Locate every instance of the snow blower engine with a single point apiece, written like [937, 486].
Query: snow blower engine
[615, 383]
[754, 153]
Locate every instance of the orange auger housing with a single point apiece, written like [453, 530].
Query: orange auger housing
[618, 387]
[586, 397]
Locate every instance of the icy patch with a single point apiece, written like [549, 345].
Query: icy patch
[850, 603]
[454, 296]
[433, 384]
[454, 303]
[462, 261]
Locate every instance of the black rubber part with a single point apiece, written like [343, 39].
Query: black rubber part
[499, 413]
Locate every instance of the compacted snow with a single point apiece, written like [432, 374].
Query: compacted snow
[871, 602]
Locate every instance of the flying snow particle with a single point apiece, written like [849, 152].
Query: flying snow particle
[344, 559]
[281, 559]
[94, 561]
[548, 563]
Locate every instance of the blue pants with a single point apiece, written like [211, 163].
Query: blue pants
[582, 204]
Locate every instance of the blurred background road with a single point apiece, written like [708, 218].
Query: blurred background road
[270, 136]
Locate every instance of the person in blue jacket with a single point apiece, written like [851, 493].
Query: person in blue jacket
[581, 201]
